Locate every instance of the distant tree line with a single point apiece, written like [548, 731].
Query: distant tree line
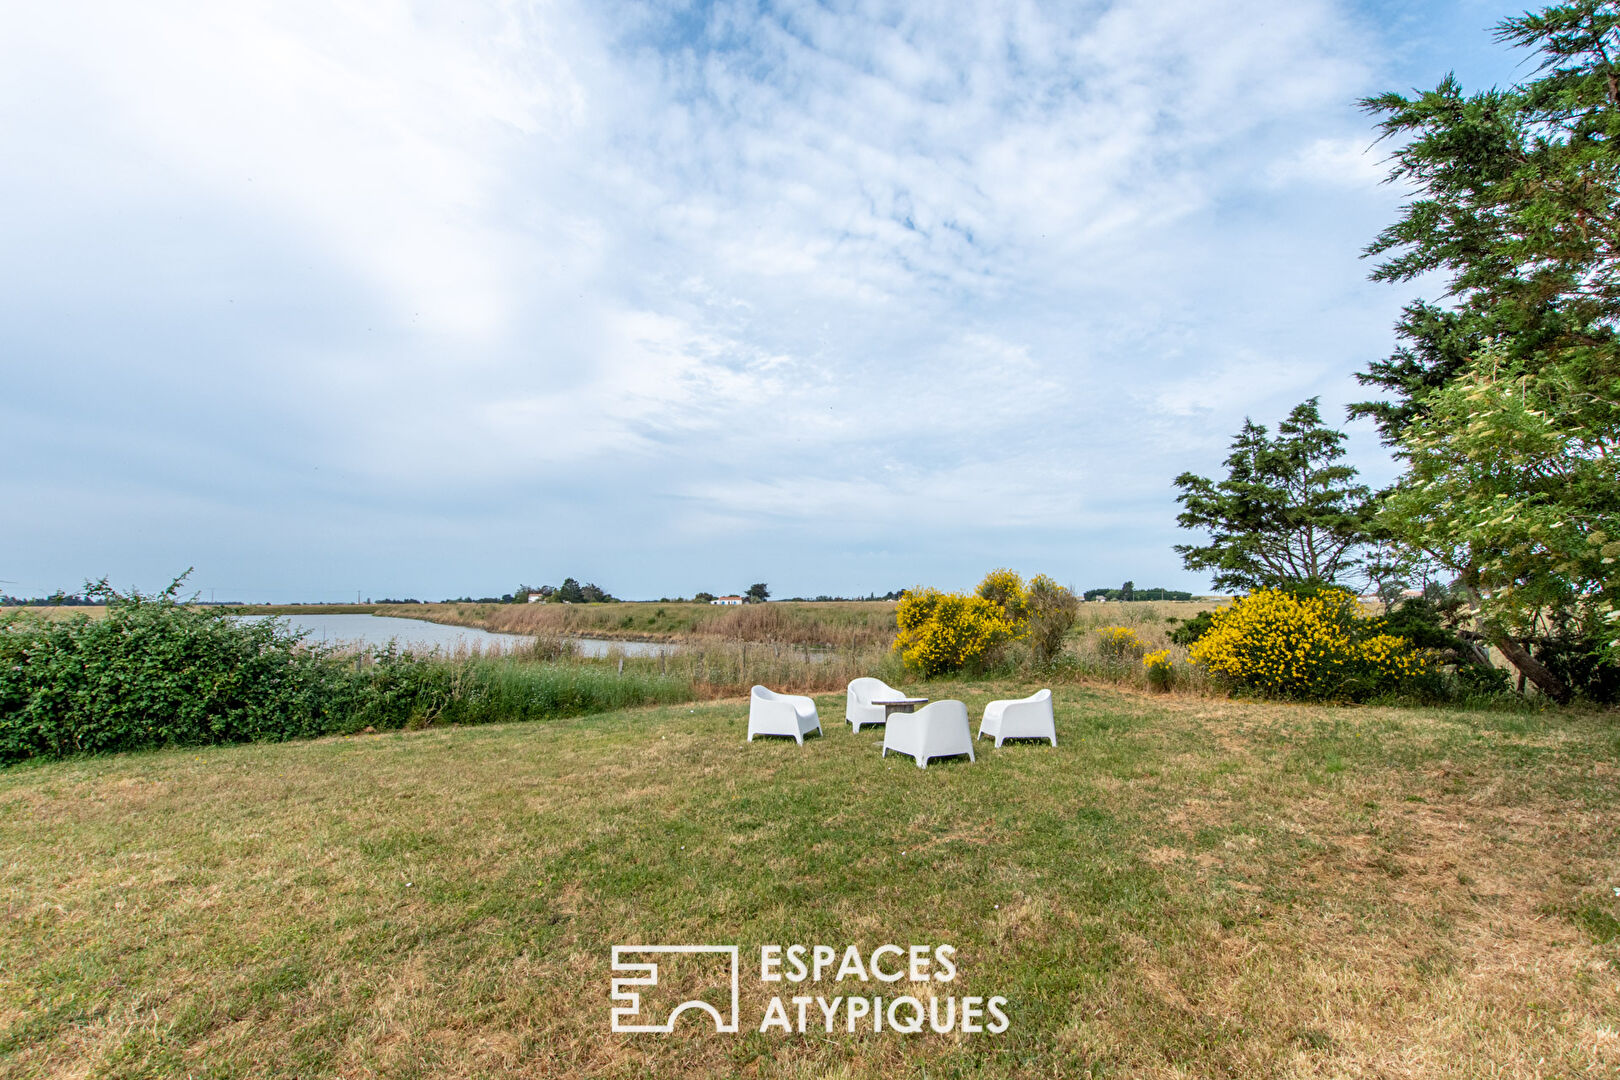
[1129, 591]
[569, 592]
[56, 599]
[756, 593]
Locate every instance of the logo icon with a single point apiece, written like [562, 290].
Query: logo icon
[645, 974]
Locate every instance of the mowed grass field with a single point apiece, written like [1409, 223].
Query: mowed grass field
[1182, 888]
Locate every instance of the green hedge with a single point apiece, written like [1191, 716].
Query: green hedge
[156, 672]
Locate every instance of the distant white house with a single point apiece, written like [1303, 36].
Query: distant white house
[536, 598]
[727, 601]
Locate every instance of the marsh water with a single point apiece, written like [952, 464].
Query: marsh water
[378, 630]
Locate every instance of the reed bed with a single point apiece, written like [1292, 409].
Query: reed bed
[708, 669]
[840, 625]
[795, 650]
[480, 690]
[1086, 658]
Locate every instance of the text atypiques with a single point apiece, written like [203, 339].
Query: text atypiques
[921, 968]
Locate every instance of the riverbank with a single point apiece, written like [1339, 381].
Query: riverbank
[845, 625]
[836, 624]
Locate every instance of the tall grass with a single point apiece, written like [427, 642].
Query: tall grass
[716, 668]
[841, 625]
[1152, 621]
[807, 648]
[410, 692]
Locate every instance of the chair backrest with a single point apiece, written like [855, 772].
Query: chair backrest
[1039, 695]
[762, 692]
[866, 689]
[943, 710]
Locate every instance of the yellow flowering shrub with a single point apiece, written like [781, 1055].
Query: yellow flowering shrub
[1161, 673]
[1119, 642]
[942, 632]
[1278, 644]
[1005, 589]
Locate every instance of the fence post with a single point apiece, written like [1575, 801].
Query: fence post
[621, 665]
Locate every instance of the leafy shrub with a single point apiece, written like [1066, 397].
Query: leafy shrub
[1161, 673]
[1005, 589]
[943, 632]
[1274, 643]
[1473, 682]
[1577, 650]
[1052, 611]
[1119, 643]
[156, 672]
[1190, 630]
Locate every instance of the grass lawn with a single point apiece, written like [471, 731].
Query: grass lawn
[1183, 887]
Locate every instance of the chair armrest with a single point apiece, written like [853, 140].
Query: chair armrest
[779, 710]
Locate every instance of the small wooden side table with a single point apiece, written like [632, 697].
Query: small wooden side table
[894, 705]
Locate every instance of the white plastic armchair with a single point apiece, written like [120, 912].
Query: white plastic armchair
[770, 713]
[1025, 718]
[862, 692]
[937, 730]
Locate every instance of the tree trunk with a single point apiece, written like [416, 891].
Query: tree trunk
[1477, 653]
[1531, 668]
[1518, 655]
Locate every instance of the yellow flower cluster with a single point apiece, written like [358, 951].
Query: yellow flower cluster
[1278, 644]
[1005, 589]
[1118, 642]
[1392, 656]
[1161, 673]
[942, 632]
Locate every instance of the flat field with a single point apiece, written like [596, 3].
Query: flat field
[1181, 888]
[848, 624]
[95, 611]
[851, 624]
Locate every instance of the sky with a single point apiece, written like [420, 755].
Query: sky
[336, 300]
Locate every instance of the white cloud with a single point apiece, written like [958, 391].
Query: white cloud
[743, 270]
[382, 137]
[1352, 161]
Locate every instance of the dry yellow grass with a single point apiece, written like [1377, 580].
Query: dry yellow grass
[1182, 888]
[851, 625]
[94, 611]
